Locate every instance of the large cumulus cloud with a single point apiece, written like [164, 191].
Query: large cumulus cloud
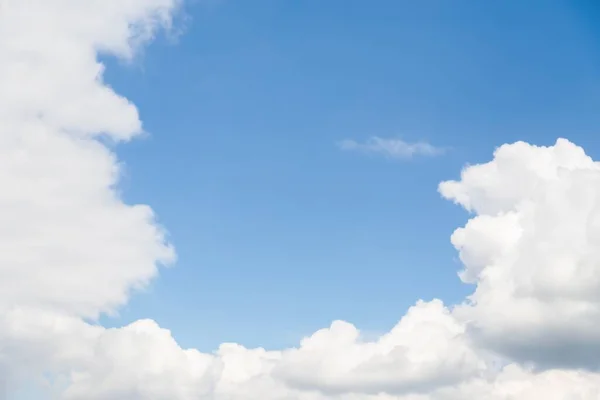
[71, 249]
[533, 249]
[67, 241]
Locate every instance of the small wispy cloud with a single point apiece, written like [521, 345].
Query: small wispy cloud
[392, 148]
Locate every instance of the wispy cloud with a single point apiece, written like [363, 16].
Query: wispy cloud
[392, 147]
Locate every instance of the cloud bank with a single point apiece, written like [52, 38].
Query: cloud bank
[391, 148]
[71, 249]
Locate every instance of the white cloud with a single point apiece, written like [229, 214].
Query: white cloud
[425, 349]
[67, 241]
[71, 249]
[534, 251]
[392, 148]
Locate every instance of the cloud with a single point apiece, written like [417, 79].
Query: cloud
[392, 148]
[71, 249]
[66, 235]
[533, 249]
[69, 246]
[427, 348]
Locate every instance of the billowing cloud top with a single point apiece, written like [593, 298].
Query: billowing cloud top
[71, 249]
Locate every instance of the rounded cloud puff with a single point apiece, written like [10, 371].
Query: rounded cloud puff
[67, 241]
[427, 348]
[71, 249]
[533, 249]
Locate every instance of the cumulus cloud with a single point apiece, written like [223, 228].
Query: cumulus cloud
[425, 349]
[67, 241]
[392, 148]
[533, 251]
[71, 249]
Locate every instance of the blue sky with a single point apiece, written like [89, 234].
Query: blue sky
[278, 231]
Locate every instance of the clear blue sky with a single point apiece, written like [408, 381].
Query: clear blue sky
[278, 231]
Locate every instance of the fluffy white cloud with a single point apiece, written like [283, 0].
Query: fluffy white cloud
[392, 148]
[67, 241]
[142, 361]
[534, 252]
[425, 349]
[70, 249]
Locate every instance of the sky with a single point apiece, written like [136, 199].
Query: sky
[341, 200]
[278, 231]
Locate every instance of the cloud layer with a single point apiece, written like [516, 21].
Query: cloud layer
[71, 249]
[391, 148]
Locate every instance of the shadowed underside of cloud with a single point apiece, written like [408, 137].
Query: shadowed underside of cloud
[391, 148]
[71, 249]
